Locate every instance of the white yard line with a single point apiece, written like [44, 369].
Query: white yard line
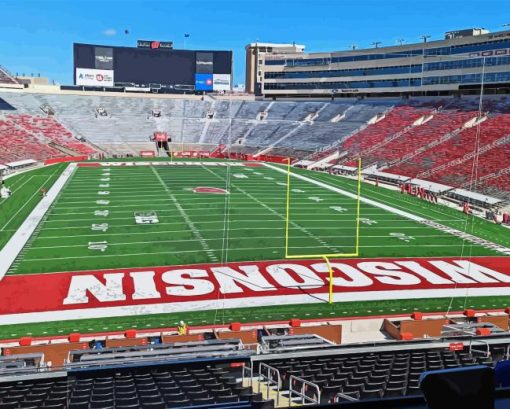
[231, 250]
[137, 243]
[189, 222]
[214, 230]
[211, 214]
[155, 233]
[454, 232]
[18, 240]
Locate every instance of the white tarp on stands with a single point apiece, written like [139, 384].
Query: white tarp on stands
[385, 175]
[304, 162]
[430, 186]
[475, 196]
[18, 163]
[345, 168]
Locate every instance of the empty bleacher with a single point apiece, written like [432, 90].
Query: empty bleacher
[16, 143]
[430, 138]
[161, 386]
[418, 137]
[32, 137]
[129, 120]
[395, 121]
[371, 374]
[6, 77]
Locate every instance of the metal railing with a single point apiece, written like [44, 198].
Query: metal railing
[303, 384]
[486, 352]
[345, 397]
[247, 374]
[266, 374]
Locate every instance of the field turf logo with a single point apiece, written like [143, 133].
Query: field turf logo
[210, 190]
[278, 278]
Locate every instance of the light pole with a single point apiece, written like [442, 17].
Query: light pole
[400, 41]
[376, 44]
[354, 46]
[425, 37]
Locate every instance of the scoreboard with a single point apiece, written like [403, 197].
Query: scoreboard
[159, 67]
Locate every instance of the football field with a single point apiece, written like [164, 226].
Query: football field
[214, 213]
[242, 218]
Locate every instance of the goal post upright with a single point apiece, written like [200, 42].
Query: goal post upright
[287, 211]
[358, 208]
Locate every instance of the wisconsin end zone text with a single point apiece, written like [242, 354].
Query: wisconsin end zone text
[237, 285]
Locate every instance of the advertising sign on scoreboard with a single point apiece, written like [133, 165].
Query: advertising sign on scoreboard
[221, 82]
[203, 82]
[103, 58]
[155, 44]
[93, 77]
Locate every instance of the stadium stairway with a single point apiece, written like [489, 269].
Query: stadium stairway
[270, 391]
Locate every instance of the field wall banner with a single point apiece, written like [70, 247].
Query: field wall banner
[200, 287]
[94, 77]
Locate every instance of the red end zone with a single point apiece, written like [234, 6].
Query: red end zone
[150, 290]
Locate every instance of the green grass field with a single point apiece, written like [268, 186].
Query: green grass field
[26, 188]
[248, 224]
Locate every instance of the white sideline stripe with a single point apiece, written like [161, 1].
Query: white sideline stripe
[242, 302]
[467, 237]
[18, 240]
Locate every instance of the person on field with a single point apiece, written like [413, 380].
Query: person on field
[43, 192]
[5, 192]
[182, 328]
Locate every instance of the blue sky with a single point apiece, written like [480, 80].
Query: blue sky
[36, 36]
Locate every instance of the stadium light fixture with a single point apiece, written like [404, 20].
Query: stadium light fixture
[376, 44]
[354, 46]
[425, 37]
[401, 41]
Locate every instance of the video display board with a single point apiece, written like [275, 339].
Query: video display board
[99, 65]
